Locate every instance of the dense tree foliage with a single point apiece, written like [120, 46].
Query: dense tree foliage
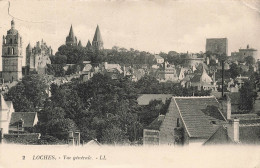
[247, 95]
[29, 94]
[250, 60]
[234, 70]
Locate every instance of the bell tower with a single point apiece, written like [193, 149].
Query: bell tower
[12, 55]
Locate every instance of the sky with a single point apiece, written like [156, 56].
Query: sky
[153, 26]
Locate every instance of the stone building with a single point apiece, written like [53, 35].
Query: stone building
[167, 73]
[12, 55]
[38, 57]
[189, 120]
[243, 53]
[71, 39]
[192, 60]
[97, 42]
[217, 45]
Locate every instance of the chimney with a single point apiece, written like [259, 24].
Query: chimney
[233, 130]
[236, 129]
[228, 107]
[207, 60]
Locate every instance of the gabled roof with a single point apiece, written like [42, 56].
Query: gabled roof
[219, 137]
[88, 44]
[156, 56]
[87, 68]
[97, 36]
[93, 142]
[156, 124]
[79, 44]
[200, 115]
[28, 118]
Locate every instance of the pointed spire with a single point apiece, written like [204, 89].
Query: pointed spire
[13, 24]
[88, 44]
[29, 47]
[71, 33]
[97, 36]
[80, 45]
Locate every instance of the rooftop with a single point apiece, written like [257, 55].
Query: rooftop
[27, 117]
[200, 115]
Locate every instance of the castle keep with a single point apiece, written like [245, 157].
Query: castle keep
[217, 45]
[38, 57]
[12, 55]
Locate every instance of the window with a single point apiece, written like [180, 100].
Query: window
[9, 50]
[12, 51]
[178, 122]
[11, 41]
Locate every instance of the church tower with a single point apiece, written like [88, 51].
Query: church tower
[71, 39]
[89, 47]
[97, 42]
[28, 55]
[12, 55]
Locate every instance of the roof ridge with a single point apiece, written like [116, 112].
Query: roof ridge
[212, 96]
[182, 117]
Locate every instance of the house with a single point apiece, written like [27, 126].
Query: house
[167, 73]
[189, 120]
[93, 142]
[22, 121]
[158, 59]
[113, 70]
[240, 80]
[87, 72]
[203, 81]
[6, 110]
[192, 60]
[240, 129]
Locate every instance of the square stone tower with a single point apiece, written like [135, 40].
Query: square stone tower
[12, 55]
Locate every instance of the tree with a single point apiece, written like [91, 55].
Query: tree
[247, 96]
[113, 135]
[250, 60]
[29, 94]
[147, 85]
[234, 70]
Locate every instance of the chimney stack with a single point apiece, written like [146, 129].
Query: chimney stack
[233, 130]
[228, 107]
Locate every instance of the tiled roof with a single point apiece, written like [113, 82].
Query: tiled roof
[249, 135]
[144, 99]
[200, 115]
[27, 117]
[219, 137]
[156, 124]
[157, 56]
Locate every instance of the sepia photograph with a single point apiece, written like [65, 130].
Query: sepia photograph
[130, 83]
